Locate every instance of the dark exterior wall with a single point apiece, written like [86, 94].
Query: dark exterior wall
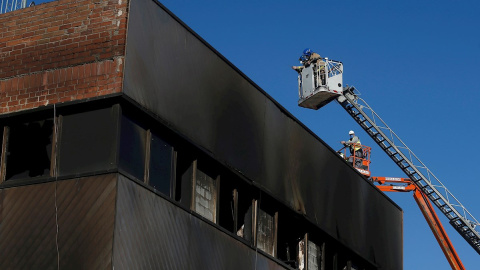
[86, 209]
[61, 51]
[153, 233]
[178, 77]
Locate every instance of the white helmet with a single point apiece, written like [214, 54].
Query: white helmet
[351, 132]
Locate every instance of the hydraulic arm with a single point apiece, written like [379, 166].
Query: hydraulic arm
[406, 185]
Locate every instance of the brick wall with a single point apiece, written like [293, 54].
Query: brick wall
[61, 51]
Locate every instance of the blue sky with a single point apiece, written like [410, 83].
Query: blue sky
[415, 62]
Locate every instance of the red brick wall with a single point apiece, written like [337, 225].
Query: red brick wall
[61, 51]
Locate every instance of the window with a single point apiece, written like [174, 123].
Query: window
[88, 141]
[28, 150]
[133, 148]
[161, 165]
[205, 191]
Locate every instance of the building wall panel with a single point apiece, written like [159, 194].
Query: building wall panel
[153, 233]
[83, 209]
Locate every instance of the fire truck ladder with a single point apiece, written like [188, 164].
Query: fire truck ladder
[459, 217]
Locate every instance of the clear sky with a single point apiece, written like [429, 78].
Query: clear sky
[415, 62]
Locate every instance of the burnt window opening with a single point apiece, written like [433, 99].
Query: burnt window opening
[184, 176]
[28, 149]
[310, 255]
[266, 228]
[342, 261]
[235, 206]
[228, 204]
[133, 147]
[161, 164]
[246, 214]
[205, 190]
[291, 231]
[330, 256]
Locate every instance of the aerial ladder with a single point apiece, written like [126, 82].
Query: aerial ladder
[321, 82]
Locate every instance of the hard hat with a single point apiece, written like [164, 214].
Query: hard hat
[307, 51]
[351, 132]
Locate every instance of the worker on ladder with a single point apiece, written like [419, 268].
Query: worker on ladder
[355, 149]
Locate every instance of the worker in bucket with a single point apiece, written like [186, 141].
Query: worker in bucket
[355, 147]
[308, 57]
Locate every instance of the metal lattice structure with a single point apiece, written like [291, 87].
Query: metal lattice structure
[459, 217]
[11, 5]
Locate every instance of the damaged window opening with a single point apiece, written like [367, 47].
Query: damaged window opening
[184, 176]
[228, 205]
[247, 208]
[28, 150]
[330, 257]
[291, 232]
[235, 206]
[310, 255]
[205, 188]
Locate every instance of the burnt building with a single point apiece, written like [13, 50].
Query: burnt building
[109, 159]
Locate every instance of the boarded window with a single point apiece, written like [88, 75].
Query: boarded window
[161, 165]
[29, 149]
[266, 231]
[205, 193]
[132, 148]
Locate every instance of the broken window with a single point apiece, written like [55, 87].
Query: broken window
[28, 151]
[244, 208]
[330, 256]
[228, 204]
[236, 206]
[132, 148]
[291, 231]
[205, 191]
[246, 230]
[161, 165]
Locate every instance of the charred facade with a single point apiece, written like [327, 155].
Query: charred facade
[160, 172]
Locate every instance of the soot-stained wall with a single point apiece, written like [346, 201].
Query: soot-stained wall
[180, 78]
